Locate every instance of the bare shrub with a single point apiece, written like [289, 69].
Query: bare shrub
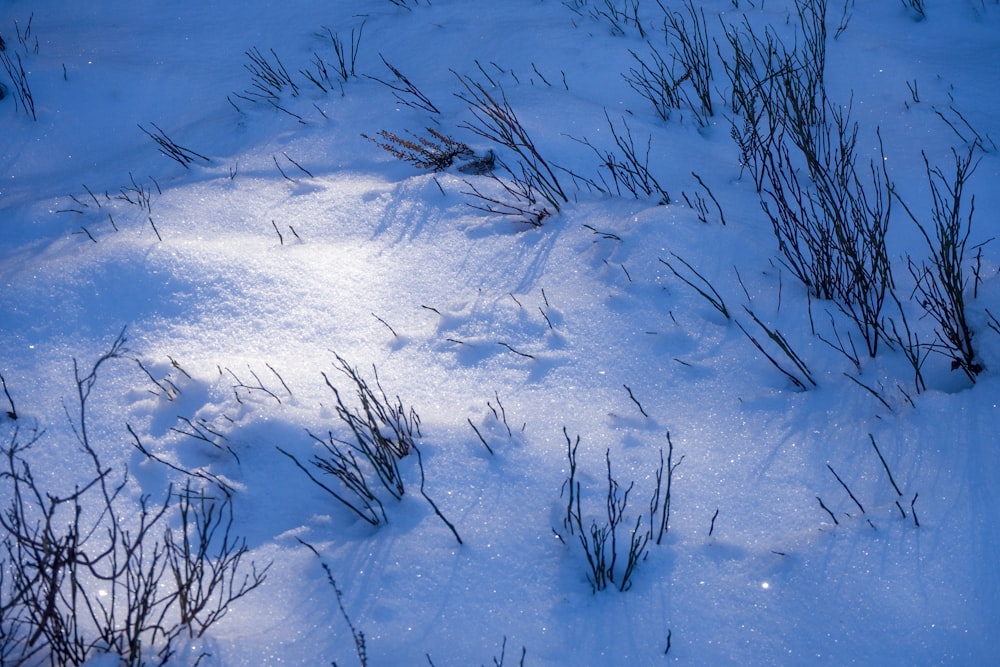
[76, 580]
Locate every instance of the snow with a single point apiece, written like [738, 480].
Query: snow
[249, 271]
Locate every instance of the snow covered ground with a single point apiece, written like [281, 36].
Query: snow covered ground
[290, 239]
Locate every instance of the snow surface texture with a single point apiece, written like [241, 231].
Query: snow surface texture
[297, 239]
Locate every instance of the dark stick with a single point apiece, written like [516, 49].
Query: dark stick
[827, 511]
[173, 362]
[523, 354]
[153, 225]
[393, 331]
[545, 315]
[420, 465]
[481, 438]
[503, 413]
[91, 195]
[281, 170]
[885, 465]
[304, 170]
[12, 413]
[634, 400]
[280, 379]
[860, 507]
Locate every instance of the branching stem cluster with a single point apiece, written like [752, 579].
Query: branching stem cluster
[610, 561]
[78, 578]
